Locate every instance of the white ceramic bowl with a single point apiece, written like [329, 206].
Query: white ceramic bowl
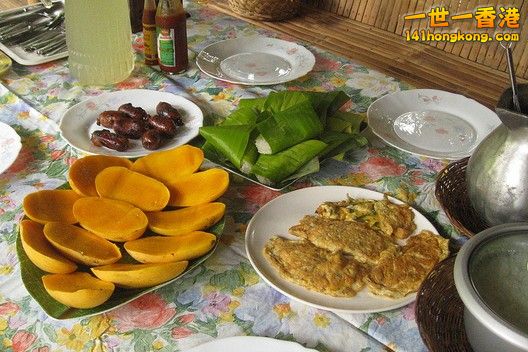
[491, 277]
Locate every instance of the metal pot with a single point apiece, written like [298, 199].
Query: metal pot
[491, 277]
[497, 171]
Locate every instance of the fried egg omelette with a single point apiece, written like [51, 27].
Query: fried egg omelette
[317, 269]
[354, 242]
[396, 220]
[353, 238]
[402, 274]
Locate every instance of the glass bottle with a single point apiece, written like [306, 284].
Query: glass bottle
[172, 36]
[149, 33]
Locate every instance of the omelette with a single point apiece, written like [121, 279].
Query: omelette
[354, 238]
[396, 220]
[399, 275]
[314, 268]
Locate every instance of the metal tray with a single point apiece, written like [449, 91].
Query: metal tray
[28, 15]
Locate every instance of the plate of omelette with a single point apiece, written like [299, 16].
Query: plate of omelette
[344, 249]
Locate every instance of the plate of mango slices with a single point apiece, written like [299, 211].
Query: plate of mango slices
[119, 229]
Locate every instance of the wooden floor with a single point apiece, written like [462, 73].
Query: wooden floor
[421, 65]
[9, 4]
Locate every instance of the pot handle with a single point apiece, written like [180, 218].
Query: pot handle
[512, 119]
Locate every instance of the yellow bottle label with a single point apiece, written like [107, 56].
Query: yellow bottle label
[149, 42]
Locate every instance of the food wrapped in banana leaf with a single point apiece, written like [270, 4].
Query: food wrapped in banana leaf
[283, 136]
[271, 169]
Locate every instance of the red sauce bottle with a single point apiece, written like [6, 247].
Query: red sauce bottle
[149, 33]
[172, 36]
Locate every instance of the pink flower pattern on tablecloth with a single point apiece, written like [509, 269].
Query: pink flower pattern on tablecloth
[147, 312]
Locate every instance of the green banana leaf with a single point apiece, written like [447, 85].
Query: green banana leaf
[249, 159]
[327, 103]
[255, 103]
[287, 128]
[280, 101]
[242, 116]
[340, 142]
[281, 120]
[348, 122]
[274, 168]
[231, 141]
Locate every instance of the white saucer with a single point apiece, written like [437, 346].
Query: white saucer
[10, 146]
[431, 123]
[255, 61]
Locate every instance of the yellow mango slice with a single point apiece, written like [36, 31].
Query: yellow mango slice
[167, 166]
[146, 193]
[161, 249]
[185, 220]
[83, 171]
[40, 251]
[139, 275]
[78, 290]
[198, 188]
[112, 219]
[51, 205]
[81, 245]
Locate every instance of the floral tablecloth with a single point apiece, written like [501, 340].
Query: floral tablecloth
[224, 297]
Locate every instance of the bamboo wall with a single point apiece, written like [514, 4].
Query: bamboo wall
[388, 15]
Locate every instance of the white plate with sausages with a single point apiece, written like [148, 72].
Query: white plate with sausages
[80, 121]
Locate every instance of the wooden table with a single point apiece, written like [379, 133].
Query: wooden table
[9, 4]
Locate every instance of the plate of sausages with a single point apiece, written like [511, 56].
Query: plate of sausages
[131, 123]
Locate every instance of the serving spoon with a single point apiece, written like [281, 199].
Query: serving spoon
[513, 80]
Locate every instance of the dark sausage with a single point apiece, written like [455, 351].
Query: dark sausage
[109, 117]
[105, 138]
[135, 113]
[129, 128]
[164, 125]
[152, 139]
[167, 110]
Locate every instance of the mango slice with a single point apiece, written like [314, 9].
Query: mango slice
[51, 205]
[161, 249]
[82, 173]
[78, 290]
[146, 193]
[167, 166]
[198, 188]
[112, 219]
[81, 245]
[40, 251]
[139, 275]
[185, 220]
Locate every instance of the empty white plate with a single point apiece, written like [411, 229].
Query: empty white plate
[255, 61]
[431, 123]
